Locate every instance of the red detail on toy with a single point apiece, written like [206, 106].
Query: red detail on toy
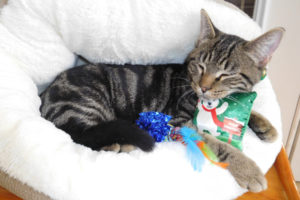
[175, 136]
[213, 113]
[232, 126]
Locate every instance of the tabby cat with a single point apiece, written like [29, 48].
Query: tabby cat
[98, 104]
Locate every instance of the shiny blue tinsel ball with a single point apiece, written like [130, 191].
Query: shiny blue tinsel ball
[155, 123]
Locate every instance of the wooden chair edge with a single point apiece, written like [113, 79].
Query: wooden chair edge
[286, 176]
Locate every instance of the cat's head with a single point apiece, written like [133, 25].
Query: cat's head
[222, 64]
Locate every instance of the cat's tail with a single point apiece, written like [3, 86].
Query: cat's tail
[114, 132]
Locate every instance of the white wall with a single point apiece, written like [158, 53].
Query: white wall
[284, 68]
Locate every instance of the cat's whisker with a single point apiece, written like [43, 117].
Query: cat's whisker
[235, 100]
[190, 95]
[181, 78]
[232, 98]
[181, 86]
[184, 94]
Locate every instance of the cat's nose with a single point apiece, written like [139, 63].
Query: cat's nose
[204, 89]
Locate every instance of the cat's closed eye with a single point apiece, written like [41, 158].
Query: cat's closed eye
[197, 68]
[201, 67]
[221, 77]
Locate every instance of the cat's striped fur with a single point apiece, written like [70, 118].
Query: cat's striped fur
[98, 104]
[90, 95]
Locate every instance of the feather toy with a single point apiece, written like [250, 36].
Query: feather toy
[194, 153]
[197, 149]
[209, 155]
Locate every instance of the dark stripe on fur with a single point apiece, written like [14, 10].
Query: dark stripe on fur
[246, 78]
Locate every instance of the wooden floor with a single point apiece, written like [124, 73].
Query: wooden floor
[275, 190]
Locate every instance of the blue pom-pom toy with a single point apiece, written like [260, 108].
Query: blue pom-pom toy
[155, 123]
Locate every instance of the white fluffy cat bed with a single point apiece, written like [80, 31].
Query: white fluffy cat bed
[39, 39]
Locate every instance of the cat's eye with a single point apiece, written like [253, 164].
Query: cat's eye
[201, 67]
[196, 68]
[222, 76]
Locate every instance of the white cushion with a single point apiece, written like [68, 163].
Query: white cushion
[39, 39]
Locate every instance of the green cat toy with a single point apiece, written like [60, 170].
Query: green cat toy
[225, 118]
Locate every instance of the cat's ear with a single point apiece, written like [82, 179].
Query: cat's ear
[207, 29]
[262, 48]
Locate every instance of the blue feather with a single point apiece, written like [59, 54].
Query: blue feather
[194, 154]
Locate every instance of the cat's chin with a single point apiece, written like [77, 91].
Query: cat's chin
[211, 98]
[208, 98]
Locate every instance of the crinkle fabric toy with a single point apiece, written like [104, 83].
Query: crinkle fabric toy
[225, 118]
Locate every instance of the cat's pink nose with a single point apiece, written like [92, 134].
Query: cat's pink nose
[204, 89]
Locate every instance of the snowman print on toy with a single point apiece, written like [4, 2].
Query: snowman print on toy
[225, 118]
[207, 115]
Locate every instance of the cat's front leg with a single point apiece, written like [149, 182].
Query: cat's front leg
[262, 127]
[247, 174]
[243, 169]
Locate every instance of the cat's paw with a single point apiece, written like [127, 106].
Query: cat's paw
[247, 174]
[114, 147]
[254, 183]
[119, 148]
[127, 148]
[267, 134]
[262, 127]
